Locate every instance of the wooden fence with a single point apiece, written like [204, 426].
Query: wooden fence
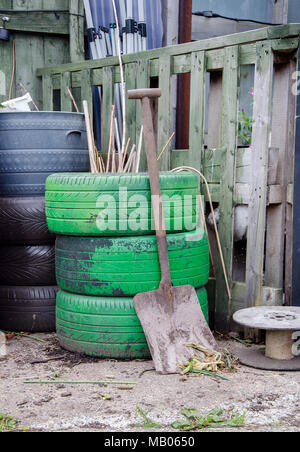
[260, 177]
[42, 33]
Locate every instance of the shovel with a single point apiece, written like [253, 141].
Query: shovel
[170, 316]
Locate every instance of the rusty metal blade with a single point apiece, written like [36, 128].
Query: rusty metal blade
[170, 319]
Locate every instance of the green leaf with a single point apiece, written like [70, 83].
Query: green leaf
[210, 374]
[190, 413]
[182, 425]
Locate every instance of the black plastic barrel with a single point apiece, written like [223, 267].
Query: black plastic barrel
[34, 145]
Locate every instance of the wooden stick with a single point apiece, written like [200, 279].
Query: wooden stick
[97, 159]
[129, 159]
[102, 163]
[138, 157]
[121, 75]
[23, 335]
[125, 154]
[133, 165]
[73, 100]
[118, 144]
[26, 91]
[113, 160]
[110, 137]
[55, 382]
[90, 138]
[167, 144]
[13, 70]
[96, 152]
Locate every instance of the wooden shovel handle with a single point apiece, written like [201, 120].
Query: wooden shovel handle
[151, 93]
[147, 119]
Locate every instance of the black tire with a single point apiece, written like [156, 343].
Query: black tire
[28, 178]
[34, 145]
[27, 266]
[125, 266]
[28, 309]
[23, 222]
[104, 327]
[118, 205]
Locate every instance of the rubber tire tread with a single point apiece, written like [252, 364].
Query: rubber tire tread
[73, 208]
[23, 222]
[24, 172]
[125, 266]
[27, 266]
[28, 309]
[107, 328]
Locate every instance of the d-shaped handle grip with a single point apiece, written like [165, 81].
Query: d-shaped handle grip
[141, 93]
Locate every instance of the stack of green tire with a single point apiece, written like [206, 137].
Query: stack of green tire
[106, 253]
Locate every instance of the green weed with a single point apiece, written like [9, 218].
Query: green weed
[7, 423]
[215, 418]
[147, 423]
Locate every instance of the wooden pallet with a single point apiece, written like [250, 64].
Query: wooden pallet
[260, 177]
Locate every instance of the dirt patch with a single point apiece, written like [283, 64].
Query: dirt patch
[270, 400]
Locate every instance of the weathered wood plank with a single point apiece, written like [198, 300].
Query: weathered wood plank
[131, 105]
[229, 142]
[107, 102]
[287, 31]
[212, 164]
[290, 163]
[280, 11]
[258, 200]
[76, 30]
[47, 22]
[270, 297]
[87, 90]
[244, 165]
[6, 52]
[276, 214]
[6, 60]
[142, 81]
[179, 158]
[213, 142]
[164, 111]
[197, 109]
[47, 93]
[215, 59]
[215, 110]
[65, 100]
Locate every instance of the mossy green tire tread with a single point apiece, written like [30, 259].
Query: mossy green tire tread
[118, 204]
[125, 266]
[104, 327]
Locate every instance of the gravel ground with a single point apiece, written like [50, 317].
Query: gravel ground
[270, 400]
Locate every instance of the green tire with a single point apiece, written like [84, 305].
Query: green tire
[118, 204]
[123, 267]
[104, 327]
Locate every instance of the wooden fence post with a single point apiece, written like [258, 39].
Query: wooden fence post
[282, 126]
[229, 142]
[197, 109]
[65, 100]
[164, 110]
[260, 159]
[47, 93]
[76, 31]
